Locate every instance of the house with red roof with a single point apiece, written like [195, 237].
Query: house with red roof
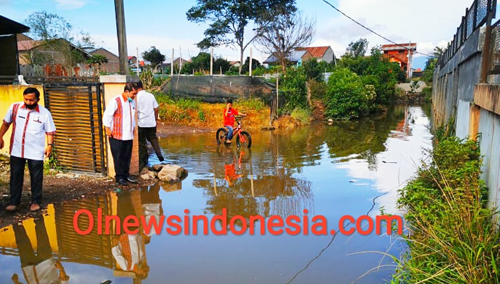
[321, 53]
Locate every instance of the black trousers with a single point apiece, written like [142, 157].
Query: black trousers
[26, 250]
[17, 166]
[122, 154]
[147, 134]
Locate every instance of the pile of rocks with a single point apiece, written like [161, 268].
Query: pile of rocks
[165, 173]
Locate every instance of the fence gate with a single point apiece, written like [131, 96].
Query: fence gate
[77, 109]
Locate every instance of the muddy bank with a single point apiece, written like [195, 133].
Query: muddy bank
[165, 129]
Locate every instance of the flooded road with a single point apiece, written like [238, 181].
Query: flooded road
[348, 168]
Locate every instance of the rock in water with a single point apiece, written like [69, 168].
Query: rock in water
[171, 173]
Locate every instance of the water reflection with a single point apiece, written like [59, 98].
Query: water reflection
[348, 168]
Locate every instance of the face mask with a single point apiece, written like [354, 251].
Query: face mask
[129, 99]
[33, 106]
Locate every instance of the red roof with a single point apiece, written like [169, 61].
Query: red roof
[130, 57]
[316, 52]
[26, 45]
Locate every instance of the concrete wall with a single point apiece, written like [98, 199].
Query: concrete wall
[458, 94]
[10, 94]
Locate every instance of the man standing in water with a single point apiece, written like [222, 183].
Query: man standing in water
[31, 123]
[147, 114]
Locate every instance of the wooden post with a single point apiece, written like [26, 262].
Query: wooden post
[215, 186]
[485, 64]
[251, 185]
[122, 36]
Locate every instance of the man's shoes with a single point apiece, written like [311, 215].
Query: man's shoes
[35, 207]
[11, 208]
[161, 158]
[131, 180]
[122, 182]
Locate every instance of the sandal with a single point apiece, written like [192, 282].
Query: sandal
[35, 207]
[11, 208]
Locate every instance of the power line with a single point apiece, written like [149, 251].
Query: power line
[370, 30]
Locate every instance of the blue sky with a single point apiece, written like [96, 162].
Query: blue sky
[163, 23]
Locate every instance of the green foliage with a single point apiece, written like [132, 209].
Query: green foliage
[454, 237]
[201, 115]
[187, 104]
[346, 95]
[221, 64]
[313, 70]
[293, 90]
[428, 94]
[154, 56]
[48, 26]
[414, 85]
[318, 89]
[97, 59]
[252, 103]
[303, 115]
[376, 70]
[357, 49]
[255, 64]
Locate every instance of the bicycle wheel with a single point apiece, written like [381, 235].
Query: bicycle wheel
[221, 135]
[244, 140]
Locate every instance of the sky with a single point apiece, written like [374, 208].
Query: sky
[163, 23]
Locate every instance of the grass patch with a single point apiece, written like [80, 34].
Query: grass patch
[250, 104]
[454, 237]
[303, 115]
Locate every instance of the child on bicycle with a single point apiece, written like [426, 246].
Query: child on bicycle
[229, 114]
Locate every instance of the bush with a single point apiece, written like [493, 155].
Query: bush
[303, 115]
[293, 90]
[454, 238]
[428, 94]
[346, 95]
[318, 89]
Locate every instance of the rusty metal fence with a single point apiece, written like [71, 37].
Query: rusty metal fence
[474, 18]
[77, 112]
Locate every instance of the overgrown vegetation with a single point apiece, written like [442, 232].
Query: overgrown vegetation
[453, 234]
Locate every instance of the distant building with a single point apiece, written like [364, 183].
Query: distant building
[235, 63]
[401, 54]
[321, 53]
[113, 65]
[132, 62]
[295, 57]
[9, 64]
[58, 51]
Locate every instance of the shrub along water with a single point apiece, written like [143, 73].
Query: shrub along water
[454, 237]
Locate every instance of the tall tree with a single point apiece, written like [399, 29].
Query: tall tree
[281, 33]
[357, 48]
[154, 56]
[230, 18]
[97, 60]
[59, 37]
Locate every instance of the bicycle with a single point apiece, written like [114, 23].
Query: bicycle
[243, 138]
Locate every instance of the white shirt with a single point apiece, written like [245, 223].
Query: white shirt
[45, 272]
[136, 253]
[146, 103]
[120, 118]
[28, 133]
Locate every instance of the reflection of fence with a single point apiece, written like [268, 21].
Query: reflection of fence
[89, 249]
[475, 17]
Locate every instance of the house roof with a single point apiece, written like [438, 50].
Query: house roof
[404, 46]
[294, 56]
[26, 45]
[8, 26]
[316, 51]
[130, 57]
[93, 51]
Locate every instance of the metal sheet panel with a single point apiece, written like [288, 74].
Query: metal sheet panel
[463, 119]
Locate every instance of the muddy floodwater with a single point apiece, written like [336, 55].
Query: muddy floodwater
[347, 168]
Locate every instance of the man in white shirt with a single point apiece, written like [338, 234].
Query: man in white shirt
[31, 123]
[147, 113]
[119, 122]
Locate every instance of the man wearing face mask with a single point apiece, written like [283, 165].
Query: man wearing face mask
[119, 122]
[31, 123]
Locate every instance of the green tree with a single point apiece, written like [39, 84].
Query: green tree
[229, 19]
[430, 65]
[221, 64]
[97, 60]
[255, 64]
[357, 48]
[346, 95]
[154, 56]
[293, 90]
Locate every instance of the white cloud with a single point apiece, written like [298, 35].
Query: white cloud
[399, 20]
[69, 4]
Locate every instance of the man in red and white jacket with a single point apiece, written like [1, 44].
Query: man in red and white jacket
[119, 122]
[32, 122]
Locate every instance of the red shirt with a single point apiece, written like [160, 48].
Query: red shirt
[229, 118]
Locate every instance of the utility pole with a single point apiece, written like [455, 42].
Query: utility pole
[250, 66]
[122, 36]
[137, 61]
[172, 64]
[211, 61]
